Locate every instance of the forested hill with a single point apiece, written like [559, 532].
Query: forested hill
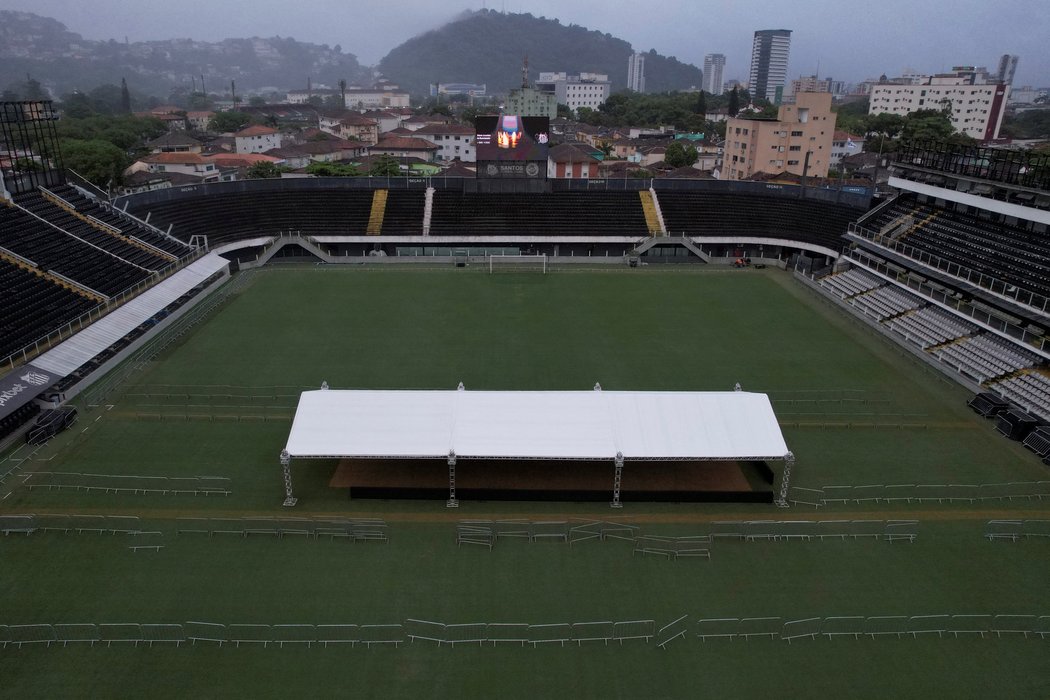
[64, 61]
[488, 46]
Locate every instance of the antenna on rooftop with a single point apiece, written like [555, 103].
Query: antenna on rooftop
[525, 72]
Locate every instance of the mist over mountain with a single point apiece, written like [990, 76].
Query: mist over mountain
[64, 61]
[478, 46]
[488, 47]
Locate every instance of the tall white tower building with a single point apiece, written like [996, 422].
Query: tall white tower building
[769, 63]
[636, 72]
[714, 66]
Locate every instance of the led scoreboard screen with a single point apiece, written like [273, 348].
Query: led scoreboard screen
[512, 146]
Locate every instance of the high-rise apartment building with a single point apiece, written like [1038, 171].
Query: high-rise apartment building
[1007, 68]
[798, 142]
[636, 72]
[714, 66]
[769, 63]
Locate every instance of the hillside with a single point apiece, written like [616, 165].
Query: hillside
[64, 61]
[488, 47]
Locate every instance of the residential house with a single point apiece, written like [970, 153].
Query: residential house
[454, 141]
[844, 144]
[174, 142]
[405, 147]
[352, 127]
[571, 161]
[257, 139]
[199, 121]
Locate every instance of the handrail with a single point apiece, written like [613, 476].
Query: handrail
[48, 341]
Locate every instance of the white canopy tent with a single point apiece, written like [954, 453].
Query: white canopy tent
[617, 426]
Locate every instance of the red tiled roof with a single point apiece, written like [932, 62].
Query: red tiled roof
[405, 143]
[239, 159]
[453, 129]
[256, 130]
[357, 120]
[175, 158]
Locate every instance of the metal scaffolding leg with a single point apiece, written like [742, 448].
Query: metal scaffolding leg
[286, 466]
[617, 475]
[785, 481]
[452, 502]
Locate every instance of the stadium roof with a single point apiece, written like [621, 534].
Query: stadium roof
[584, 425]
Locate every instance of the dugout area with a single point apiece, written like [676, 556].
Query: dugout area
[543, 445]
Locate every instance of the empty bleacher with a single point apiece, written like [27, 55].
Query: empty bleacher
[128, 227]
[851, 283]
[108, 241]
[1010, 253]
[1030, 390]
[227, 217]
[729, 214]
[984, 358]
[537, 214]
[52, 249]
[886, 302]
[33, 307]
[404, 213]
[929, 326]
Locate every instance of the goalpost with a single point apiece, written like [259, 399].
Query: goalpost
[518, 263]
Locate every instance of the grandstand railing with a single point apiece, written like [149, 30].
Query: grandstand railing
[979, 279]
[86, 319]
[962, 308]
[857, 199]
[995, 164]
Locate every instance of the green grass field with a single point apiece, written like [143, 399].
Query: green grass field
[855, 410]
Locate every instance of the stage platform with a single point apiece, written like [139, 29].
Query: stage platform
[557, 480]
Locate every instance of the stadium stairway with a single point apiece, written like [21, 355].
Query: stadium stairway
[683, 241]
[282, 241]
[375, 217]
[652, 217]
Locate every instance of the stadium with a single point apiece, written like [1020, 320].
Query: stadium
[527, 438]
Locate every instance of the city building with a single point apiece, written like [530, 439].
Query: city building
[803, 130]
[1007, 68]
[769, 63]
[356, 97]
[714, 67]
[453, 141]
[256, 139]
[976, 109]
[636, 72]
[471, 89]
[844, 144]
[530, 102]
[584, 90]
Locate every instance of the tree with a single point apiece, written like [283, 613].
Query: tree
[332, 170]
[257, 101]
[701, 103]
[734, 103]
[342, 91]
[224, 122]
[678, 154]
[927, 124]
[125, 97]
[262, 171]
[564, 112]
[33, 90]
[99, 161]
[385, 166]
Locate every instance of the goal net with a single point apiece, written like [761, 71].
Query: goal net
[518, 263]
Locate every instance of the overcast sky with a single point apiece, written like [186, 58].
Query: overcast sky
[850, 40]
